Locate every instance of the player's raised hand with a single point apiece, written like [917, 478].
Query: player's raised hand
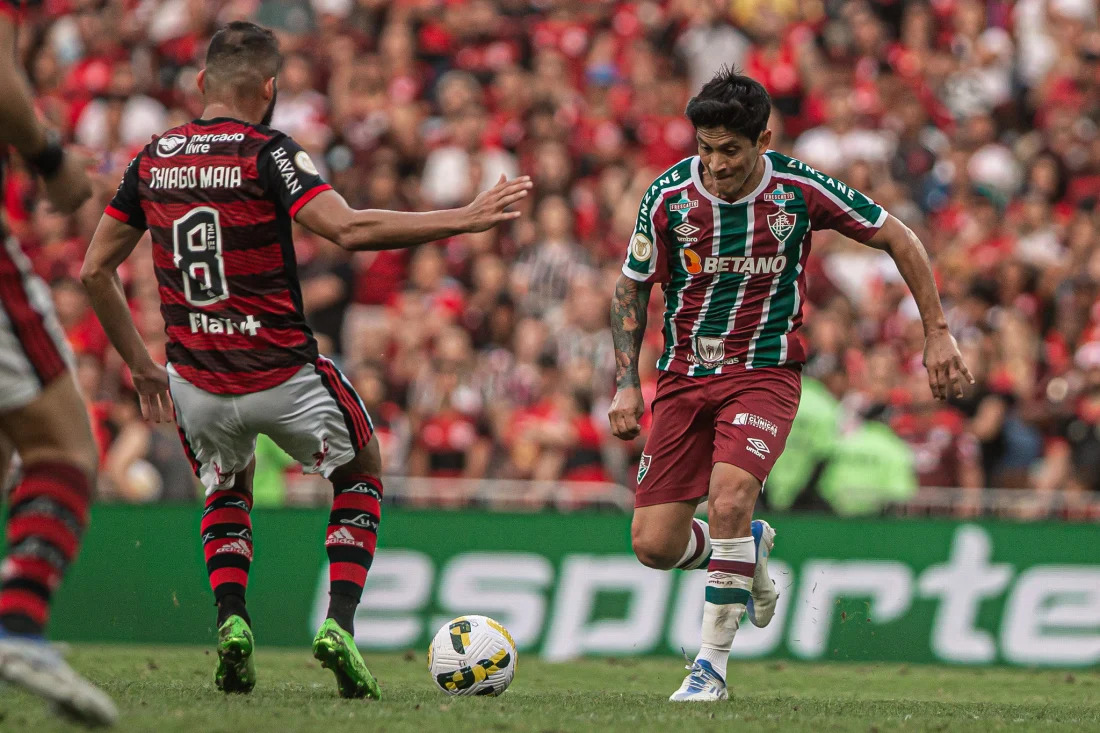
[488, 209]
[946, 369]
[151, 384]
[625, 412]
[70, 186]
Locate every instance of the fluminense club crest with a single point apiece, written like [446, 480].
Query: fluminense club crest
[782, 224]
[643, 466]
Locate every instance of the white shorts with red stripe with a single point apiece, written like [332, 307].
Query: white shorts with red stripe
[315, 416]
[33, 349]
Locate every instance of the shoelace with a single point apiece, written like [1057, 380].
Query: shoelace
[696, 669]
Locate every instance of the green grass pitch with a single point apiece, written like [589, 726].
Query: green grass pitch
[169, 689]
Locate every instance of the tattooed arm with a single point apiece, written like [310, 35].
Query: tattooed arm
[628, 322]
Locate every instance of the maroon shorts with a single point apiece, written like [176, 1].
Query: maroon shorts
[742, 418]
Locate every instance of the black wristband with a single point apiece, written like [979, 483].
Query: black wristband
[47, 162]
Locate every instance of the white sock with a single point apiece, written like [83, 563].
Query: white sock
[694, 557]
[729, 583]
[717, 658]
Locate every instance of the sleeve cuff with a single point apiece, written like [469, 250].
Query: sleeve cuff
[307, 197]
[119, 214]
[865, 234]
[634, 275]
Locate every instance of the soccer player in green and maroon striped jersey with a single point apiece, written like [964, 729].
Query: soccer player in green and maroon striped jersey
[727, 233]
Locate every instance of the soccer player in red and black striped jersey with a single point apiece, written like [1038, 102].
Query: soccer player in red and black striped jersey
[42, 416]
[218, 196]
[728, 233]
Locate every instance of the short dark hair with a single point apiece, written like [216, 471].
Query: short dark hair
[734, 101]
[241, 56]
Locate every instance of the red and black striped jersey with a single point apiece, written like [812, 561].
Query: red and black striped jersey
[218, 197]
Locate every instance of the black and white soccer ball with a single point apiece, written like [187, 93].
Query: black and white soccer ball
[472, 655]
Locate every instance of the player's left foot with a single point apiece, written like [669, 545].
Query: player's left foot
[702, 685]
[336, 650]
[236, 669]
[31, 663]
[761, 605]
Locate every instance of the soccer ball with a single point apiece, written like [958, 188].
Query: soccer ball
[472, 655]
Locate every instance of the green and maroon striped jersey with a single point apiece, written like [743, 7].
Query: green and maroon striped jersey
[734, 272]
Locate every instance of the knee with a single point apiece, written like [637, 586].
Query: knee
[76, 451]
[653, 550]
[84, 454]
[367, 461]
[735, 497]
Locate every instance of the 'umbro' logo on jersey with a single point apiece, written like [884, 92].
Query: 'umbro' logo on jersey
[169, 145]
[685, 231]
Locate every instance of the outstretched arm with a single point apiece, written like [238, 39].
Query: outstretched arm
[66, 183]
[946, 369]
[111, 244]
[18, 125]
[329, 215]
[628, 321]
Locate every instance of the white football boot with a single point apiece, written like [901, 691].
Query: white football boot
[31, 663]
[702, 685]
[761, 605]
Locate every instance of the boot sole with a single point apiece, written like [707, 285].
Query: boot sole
[234, 659]
[329, 654]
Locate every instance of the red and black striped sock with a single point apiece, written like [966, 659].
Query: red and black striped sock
[49, 510]
[350, 543]
[227, 545]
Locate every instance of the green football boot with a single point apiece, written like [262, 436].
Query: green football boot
[236, 670]
[336, 650]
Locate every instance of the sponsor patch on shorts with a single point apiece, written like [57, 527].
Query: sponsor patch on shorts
[755, 421]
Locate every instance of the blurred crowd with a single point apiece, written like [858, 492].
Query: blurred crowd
[489, 355]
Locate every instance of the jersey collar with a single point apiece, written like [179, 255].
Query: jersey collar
[696, 164]
[219, 120]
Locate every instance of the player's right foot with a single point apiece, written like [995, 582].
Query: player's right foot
[702, 685]
[236, 669]
[336, 650]
[761, 606]
[31, 663]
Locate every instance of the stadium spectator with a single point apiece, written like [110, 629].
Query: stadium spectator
[974, 120]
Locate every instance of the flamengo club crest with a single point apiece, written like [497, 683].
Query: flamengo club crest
[781, 224]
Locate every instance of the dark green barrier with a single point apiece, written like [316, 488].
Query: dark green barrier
[565, 585]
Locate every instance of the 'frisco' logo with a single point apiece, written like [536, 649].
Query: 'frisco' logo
[779, 196]
[683, 205]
